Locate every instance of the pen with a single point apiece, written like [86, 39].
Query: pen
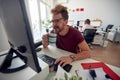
[76, 72]
[93, 74]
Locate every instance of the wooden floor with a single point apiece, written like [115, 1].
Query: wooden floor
[109, 54]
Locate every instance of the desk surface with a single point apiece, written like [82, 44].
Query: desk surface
[24, 74]
[55, 52]
[28, 73]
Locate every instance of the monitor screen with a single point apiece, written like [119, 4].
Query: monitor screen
[96, 23]
[80, 23]
[71, 22]
[93, 23]
[18, 30]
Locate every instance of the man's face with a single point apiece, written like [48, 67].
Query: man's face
[58, 23]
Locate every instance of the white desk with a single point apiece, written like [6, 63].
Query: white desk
[17, 75]
[29, 74]
[55, 52]
[101, 39]
[24, 74]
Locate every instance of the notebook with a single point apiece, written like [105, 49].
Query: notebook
[106, 69]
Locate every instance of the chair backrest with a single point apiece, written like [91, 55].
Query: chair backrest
[89, 35]
[108, 27]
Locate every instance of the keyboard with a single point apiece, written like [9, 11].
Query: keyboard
[50, 61]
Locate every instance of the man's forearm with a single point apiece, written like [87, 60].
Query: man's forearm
[82, 55]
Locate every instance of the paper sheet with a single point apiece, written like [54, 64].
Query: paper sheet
[82, 73]
[106, 69]
[86, 76]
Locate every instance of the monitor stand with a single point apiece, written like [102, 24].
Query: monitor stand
[31, 74]
[8, 60]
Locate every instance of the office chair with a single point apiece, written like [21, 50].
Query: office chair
[108, 28]
[89, 35]
[106, 31]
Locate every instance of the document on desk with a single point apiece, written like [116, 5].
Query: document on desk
[100, 74]
[105, 68]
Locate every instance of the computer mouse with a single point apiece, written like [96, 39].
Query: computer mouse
[67, 67]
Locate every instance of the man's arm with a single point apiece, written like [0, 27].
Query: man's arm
[84, 51]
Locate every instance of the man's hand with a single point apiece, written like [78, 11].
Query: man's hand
[63, 60]
[45, 39]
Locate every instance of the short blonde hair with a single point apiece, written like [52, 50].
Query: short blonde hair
[60, 9]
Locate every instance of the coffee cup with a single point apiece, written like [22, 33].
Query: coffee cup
[52, 38]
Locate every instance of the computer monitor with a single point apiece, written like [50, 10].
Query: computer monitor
[96, 24]
[80, 23]
[71, 22]
[18, 30]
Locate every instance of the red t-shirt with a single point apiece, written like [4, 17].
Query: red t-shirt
[70, 41]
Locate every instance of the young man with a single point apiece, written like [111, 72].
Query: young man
[68, 38]
[87, 25]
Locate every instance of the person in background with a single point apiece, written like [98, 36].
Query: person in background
[68, 38]
[87, 25]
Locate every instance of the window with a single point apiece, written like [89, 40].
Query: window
[45, 17]
[39, 18]
[35, 20]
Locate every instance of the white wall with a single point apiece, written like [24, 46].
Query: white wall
[3, 39]
[106, 10]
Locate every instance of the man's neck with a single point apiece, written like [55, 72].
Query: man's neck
[65, 31]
